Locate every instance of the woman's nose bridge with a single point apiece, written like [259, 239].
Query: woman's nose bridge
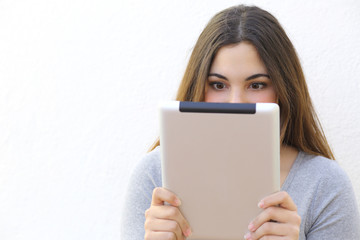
[237, 96]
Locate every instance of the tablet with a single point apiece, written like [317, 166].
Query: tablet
[220, 159]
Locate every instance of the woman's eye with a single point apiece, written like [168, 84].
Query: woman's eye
[257, 85]
[217, 85]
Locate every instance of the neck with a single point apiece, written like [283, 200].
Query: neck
[288, 155]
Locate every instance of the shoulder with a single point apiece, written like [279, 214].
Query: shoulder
[324, 195]
[319, 169]
[151, 162]
[147, 171]
[144, 178]
[322, 177]
[318, 163]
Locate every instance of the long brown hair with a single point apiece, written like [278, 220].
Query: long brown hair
[300, 126]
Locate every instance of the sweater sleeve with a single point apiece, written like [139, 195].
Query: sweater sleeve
[145, 177]
[334, 213]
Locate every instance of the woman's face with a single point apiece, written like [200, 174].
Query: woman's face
[237, 75]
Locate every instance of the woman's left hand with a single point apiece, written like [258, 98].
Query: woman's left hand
[278, 220]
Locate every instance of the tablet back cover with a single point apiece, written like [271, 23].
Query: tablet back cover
[221, 159]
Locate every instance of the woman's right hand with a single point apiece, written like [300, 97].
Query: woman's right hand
[165, 221]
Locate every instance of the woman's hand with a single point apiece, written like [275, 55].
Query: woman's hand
[165, 221]
[278, 220]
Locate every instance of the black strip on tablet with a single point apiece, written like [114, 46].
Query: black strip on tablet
[206, 107]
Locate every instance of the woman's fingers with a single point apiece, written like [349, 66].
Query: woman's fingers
[284, 230]
[169, 213]
[170, 229]
[161, 195]
[274, 214]
[160, 236]
[281, 199]
[273, 229]
[169, 216]
[278, 219]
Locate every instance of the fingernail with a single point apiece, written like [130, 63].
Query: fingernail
[247, 236]
[251, 227]
[261, 204]
[177, 202]
[188, 232]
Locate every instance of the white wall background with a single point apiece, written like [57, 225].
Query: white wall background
[79, 85]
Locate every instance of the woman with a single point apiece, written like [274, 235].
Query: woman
[243, 55]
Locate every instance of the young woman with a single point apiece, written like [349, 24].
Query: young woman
[244, 56]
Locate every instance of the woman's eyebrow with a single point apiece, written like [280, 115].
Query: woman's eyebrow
[218, 75]
[247, 79]
[256, 76]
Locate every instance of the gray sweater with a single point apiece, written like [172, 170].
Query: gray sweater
[319, 187]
